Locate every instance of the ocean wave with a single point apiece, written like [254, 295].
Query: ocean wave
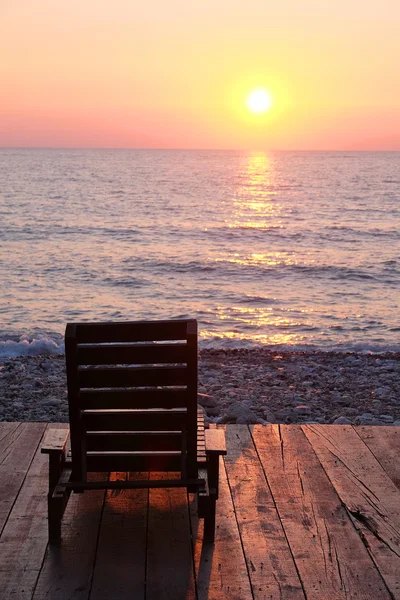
[257, 300]
[360, 233]
[48, 346]
[25, 346]
[125, 281]
[247, 270]
[169, 266]
[356, 347]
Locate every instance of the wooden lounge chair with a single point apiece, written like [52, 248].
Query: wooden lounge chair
[132, 394]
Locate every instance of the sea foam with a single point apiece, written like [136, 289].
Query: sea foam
[30, 347]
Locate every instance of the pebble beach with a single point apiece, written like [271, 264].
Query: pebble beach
[238, 386]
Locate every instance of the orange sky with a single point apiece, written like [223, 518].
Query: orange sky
[175, 74]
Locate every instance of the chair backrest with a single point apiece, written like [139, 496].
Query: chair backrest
[132, 393]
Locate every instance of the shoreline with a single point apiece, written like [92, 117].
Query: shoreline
[257, 385]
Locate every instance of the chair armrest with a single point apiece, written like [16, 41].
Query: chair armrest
[215, 441]
[55, 441]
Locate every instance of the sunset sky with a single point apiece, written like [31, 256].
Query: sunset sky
[177, 74]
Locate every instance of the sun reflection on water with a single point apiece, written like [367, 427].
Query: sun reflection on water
[262, 338]
[254, 202]
[256, 259]
[282, 327]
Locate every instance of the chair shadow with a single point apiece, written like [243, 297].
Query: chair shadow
[129, 543]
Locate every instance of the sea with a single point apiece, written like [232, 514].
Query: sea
[289, 250]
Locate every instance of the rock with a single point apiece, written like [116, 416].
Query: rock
[51, 402]
[366, 419]
[386, 418]
[351, 412]
[345, 400]
[367, 415]
[284, 413]
[397, 423]
[207, 401]
[214, 411]
[302, 409]
[269, 416]
[236, 411]
[342, 421]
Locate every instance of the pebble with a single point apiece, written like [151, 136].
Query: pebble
[386, 418]
[238, 412]
[302, 410]
[342, 421]
[247, 385]
[207, 401]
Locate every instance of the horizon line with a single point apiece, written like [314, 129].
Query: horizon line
[141, 148]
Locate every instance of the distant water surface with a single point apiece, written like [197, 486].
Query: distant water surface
[291, 249]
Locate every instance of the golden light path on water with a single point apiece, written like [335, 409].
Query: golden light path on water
[255, 206]
[258, 317]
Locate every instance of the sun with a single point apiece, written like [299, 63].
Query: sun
[259, 101]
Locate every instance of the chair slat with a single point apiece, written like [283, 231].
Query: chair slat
[135, 420]
[134, 441]
[130, 354]
[116, 377]
[144, 398]
[126, 462]
[139, 331]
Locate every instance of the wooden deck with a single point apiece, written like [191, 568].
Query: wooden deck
[304, 512]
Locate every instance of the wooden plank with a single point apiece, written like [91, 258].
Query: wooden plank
[167, 461]
[67, 570]
[384, 443]
[117, 377]
[6, 428]
[138, 331]
[169, 548]
[330, 557]
[24, 538]
[144, 398]
[367, 492]
[18, 444]
[135, 420]
[134, 441]
[130, 354]
[270, 564]
[221, 570]
[120, 569]
[131, 484]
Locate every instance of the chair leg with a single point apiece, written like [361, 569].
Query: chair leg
[209, 520]
[213, 480]
[55, 513]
